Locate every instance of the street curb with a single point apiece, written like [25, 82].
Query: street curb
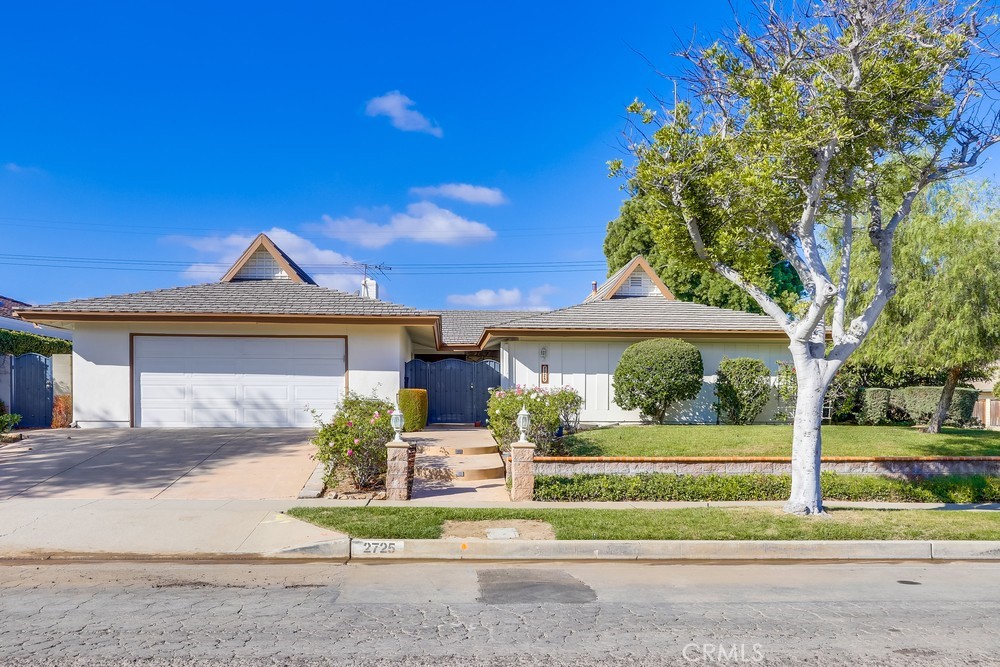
[347, 549]
[339, 549]
[671, 550]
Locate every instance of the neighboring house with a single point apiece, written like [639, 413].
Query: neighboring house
[265, 343]
[60, 382]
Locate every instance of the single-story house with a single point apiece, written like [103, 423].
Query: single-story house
[265, 345]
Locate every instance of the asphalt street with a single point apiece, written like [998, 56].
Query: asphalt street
[446, 614]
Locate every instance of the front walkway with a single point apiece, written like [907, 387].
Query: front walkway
[457, 464]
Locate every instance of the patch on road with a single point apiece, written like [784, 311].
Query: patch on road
[517, 586]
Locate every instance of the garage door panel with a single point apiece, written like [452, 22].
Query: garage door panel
[227, 392]
[165, 417]
[215, 416]
[265, 393]
[233, 381]
[169, 392]
[319, 393]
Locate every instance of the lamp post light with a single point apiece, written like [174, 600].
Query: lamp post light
[523, 422]
[397, 422]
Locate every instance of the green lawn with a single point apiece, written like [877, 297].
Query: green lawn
[737, 523]
[766, 440]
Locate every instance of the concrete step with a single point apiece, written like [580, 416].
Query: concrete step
[457, 450]
[464, 467]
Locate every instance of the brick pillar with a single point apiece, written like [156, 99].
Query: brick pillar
[522, 471]
[398, 475]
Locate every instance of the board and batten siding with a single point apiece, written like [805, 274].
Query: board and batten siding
[588, 367]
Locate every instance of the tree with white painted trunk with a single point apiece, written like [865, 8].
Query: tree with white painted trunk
[837, 113]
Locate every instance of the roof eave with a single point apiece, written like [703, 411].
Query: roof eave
[292, 318]
[629, 333]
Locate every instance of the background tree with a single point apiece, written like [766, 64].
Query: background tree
[691, 278]
[945, 316]
[831, 110]
[655, 374]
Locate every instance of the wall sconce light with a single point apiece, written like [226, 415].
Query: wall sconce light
[543, 352]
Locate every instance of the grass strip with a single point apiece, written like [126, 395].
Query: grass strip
[737, 523]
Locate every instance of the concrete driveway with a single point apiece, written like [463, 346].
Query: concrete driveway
[180, 464]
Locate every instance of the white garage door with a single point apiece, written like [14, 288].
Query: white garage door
[237, 381]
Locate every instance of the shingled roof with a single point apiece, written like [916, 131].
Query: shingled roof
[645, 314]
[465, 327]
[8, 306]
[250, 297]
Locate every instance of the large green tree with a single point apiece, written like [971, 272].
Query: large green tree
[945, 316]
[691, 278]
[824, 112]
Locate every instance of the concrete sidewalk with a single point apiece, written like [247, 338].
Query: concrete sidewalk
[44, 528]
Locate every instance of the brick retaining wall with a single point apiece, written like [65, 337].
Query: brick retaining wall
[889, 466]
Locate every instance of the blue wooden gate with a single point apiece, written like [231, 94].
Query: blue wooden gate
[31, 390]
[457, 390]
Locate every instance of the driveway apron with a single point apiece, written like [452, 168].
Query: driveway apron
[213, 463]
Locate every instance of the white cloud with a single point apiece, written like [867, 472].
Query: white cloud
[473, 194]
[305, 253]
[423, 222]
[505, 299]
[396, 106]
[15, 168]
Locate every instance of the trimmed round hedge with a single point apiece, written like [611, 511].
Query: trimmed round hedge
[657, 373]
[413, 405]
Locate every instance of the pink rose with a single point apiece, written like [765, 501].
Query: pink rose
[350, 424]
[350, 452]
[357, 441]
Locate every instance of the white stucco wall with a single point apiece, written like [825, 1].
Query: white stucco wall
[62, 374]
[101, 370]
[588, 367]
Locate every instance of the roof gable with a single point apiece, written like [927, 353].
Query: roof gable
[635, 279]
[263, 260]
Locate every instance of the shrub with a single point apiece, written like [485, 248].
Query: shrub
[548, 409]
[669, 487]
[917, 404]
[874, 406]
[22, 342]
[654, 374]
[568, 403]
[743, 388]
[62, 411]
[413, 405]
[354, 440]
[3, 408]
[8, 422]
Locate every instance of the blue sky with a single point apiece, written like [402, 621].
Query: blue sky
[142, 145]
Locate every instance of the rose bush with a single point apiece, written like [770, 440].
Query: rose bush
[550, 409]
[354, 440]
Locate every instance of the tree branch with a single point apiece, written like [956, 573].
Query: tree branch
[766, 303]
[846, 246]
